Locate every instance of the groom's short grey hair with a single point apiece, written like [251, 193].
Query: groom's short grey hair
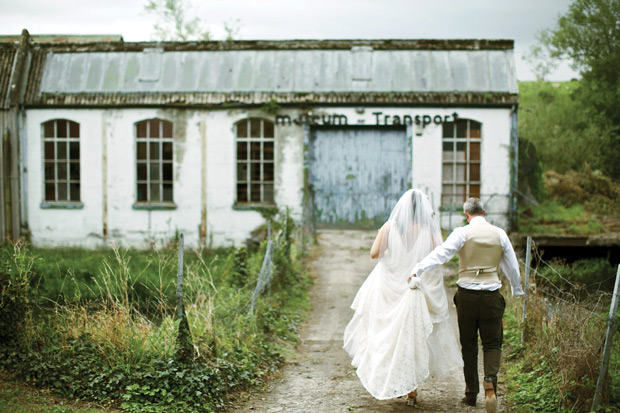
[473, 206]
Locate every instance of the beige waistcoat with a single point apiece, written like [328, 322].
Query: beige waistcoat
[480, 255]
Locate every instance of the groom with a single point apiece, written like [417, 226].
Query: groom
[483, 249]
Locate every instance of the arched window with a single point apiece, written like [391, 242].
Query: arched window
[61, 158]
[461, 162]
[154, 161]
[255, 161]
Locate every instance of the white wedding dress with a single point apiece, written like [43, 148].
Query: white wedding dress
[399, 336]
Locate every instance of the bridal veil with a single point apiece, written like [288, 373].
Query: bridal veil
[399, 336]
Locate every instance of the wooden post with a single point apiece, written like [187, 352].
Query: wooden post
[526, 285]
[608, 340]
[180, 310]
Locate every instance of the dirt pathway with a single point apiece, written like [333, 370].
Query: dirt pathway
[322, 379]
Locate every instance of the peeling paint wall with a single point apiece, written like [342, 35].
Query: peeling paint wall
[226, 223]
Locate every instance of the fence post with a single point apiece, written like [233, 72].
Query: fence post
[528, 258]
[608, 339]
[180, 310]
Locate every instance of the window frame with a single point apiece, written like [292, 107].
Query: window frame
[148, 140]
[249, 183]
[467, 163]
[68, 161]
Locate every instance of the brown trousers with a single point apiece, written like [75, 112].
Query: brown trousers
[480, 312]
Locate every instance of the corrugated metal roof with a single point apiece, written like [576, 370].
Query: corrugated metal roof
[7, 61]
[64, 38]
[359, 69]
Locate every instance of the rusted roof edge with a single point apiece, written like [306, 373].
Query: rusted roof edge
[285, 99]
[387, 44]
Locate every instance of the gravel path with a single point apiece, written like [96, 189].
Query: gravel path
[321, 378]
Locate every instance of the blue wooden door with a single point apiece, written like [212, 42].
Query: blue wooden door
[357, 174]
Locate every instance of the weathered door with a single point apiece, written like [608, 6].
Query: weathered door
[357, 174]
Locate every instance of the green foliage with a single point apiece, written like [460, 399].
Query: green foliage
[272, 107]
[567, 135]
[589, 34]
[108, 349]
[556, 366]
[553, 217]
[173, 23]
[15, 291]
[592, 274]
[530, 171]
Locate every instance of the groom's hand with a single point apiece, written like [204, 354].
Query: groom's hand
[410, 277]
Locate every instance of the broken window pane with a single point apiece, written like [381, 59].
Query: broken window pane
[268, 126]
[61, 128]
[167, 129]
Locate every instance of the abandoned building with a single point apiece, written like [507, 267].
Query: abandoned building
[105, 140]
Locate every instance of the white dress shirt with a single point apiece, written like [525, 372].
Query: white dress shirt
[455, 241]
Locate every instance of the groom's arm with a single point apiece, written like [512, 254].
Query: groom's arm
[443, 253]
[509, 264]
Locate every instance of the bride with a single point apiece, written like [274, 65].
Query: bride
[400, 332]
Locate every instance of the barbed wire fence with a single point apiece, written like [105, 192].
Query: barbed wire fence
[560, 295]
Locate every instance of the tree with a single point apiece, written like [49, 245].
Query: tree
[589, 34]
[173, 24]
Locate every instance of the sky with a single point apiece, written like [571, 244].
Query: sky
[305, 19]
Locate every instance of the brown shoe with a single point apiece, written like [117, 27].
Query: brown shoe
[412, 398]
[490, 398]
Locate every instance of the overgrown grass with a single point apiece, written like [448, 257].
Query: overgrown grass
[109, 336]
[556, 367]
[553, 217]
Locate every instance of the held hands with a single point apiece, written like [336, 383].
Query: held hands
[414, 282]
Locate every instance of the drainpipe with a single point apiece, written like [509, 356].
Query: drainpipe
[15, 100]
[514, 165]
